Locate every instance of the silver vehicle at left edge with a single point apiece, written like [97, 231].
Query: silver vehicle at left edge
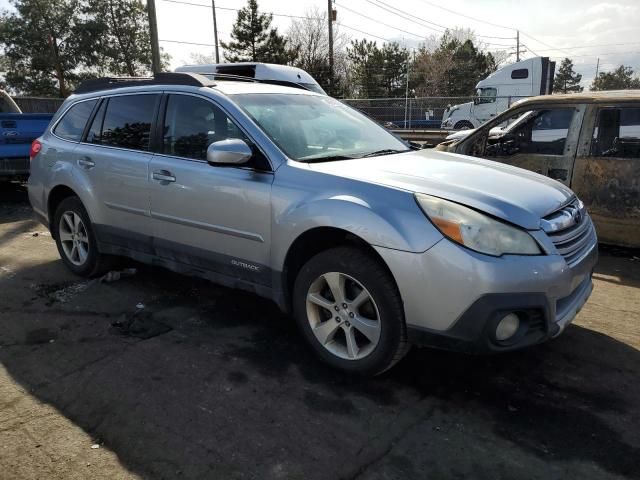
[370, 244]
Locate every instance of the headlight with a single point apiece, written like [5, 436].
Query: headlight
[475, 230]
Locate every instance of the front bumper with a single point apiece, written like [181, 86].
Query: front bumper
[454, 297]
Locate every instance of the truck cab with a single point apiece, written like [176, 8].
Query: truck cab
[500, 90]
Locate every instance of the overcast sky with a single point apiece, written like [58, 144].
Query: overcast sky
[606, 30]
[584, 30]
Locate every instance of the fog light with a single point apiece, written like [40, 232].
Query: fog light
[507, 327]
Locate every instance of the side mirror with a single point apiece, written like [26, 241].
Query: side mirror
[232, 151]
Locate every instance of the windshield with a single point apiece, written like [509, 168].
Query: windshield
[316, 128]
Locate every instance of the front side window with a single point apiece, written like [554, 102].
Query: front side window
[127, 122]
[617, 133]
[487, 95]
[541, 132]
[191, 124]
[72, 124]
[317, 128]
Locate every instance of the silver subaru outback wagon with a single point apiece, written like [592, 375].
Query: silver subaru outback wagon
[371, 245]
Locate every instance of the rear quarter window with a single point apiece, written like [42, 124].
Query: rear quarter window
[72, 124]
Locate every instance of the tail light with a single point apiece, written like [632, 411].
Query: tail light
[36, 146]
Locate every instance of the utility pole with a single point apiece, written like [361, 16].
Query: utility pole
[407, 113]
[330, 18]
[215, 30]
[153, 31]
[517, 45]
[597, 66]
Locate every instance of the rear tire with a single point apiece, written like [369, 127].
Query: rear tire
[76, 240]
[350, 311]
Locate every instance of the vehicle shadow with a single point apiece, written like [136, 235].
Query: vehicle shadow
[216, 383]
[14, 202]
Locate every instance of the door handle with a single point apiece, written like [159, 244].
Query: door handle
[86, 163]
[163, 176]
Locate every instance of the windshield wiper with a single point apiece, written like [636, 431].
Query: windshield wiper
[386, 151]
[329, 158]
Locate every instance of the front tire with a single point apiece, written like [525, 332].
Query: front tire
[463, 125]
[350, 311]
[76, 240]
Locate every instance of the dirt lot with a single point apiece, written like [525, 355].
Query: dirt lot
[212, 383]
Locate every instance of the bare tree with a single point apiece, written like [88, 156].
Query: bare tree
[309, 37]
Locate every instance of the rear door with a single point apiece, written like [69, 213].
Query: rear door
[607, 175]
[216, 218]
[114, 159]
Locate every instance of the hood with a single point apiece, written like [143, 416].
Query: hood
[462, 107]
[515, 195]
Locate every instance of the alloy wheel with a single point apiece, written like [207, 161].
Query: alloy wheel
[343, 316]
[74, 238]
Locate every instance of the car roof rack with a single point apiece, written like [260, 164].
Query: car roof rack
[242, 78]
[168, 78]
[229, 76]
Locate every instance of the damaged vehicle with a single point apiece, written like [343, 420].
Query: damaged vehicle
[371, 245]
[588, 141]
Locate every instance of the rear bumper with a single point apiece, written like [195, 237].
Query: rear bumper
[454, 298]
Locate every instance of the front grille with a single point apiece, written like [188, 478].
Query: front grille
[571, 231]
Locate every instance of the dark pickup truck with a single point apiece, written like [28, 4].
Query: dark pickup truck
[17, 131]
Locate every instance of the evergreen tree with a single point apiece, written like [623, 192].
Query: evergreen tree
[41, 46]
[253, 39]
[567, 80]
[620, 79]
[116, 33]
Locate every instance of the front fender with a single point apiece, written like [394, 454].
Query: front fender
[396, 223]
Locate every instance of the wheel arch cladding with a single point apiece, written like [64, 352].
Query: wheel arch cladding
[316, 240]
[56, 196]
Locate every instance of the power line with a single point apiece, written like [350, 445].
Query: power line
[407, 16]
[378, 21]
[364, 33]
[411, 17]
[190, 43]
[470, 17]
[591, 46]
[181, 2]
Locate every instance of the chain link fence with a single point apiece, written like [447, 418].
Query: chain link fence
[426, 112]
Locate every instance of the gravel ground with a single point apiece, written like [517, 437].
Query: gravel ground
[207, 382]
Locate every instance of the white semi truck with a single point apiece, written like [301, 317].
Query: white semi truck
[500, 90]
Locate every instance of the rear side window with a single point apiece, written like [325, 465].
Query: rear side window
[72, 124]
[617, 133]
[520, 73]
[127, 122]
[191, 124]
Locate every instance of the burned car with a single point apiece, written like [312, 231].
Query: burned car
[588, 141]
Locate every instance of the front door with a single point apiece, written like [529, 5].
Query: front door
[607, 174]
[215, 218]
[541, 140]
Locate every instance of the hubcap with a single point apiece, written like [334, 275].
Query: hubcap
[74, 238]
[343, 316]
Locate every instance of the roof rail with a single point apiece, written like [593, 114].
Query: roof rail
[172, 78]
